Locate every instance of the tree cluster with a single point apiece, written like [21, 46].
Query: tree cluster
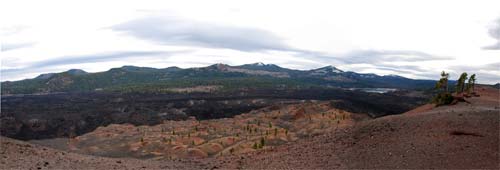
[462, 85]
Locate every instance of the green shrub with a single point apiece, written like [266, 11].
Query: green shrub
[255, 145]
[442, 99]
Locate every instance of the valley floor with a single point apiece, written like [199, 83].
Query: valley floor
[461, 136]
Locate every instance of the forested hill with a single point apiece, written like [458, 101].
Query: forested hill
[215, 77]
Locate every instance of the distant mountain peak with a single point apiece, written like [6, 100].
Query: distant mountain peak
[136, 68]
[328, 69]
[76, 72]
[132, 67]
[329, 76]
[262, 66]
[173, 67]
[217, 66]
[394, 75]
[258, 64]
[45, 76]
[129, 66]
[70, 72]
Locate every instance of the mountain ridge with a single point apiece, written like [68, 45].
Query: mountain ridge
[133, 78]
[252, 65]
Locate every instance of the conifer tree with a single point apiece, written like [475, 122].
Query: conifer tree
[461, 82]
[472, 82]
[443, 82]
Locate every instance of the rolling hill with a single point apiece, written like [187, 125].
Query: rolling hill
[312, 135]
[257, 75]
[461, 136]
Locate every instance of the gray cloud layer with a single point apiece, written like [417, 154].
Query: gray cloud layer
[494, 33]
[381, 59]
[169, 30]
[176, 31]
[99, 58]
[483, 72]
[12, 46]
[11, 30]
[82, 59]
[379, 56]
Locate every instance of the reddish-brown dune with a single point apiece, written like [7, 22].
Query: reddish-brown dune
[447, 137]
[460, 136]
[15, 154]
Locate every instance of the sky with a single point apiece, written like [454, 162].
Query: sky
[415, 39]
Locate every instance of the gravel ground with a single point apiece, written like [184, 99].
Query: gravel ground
[462, 136]
[16, 154]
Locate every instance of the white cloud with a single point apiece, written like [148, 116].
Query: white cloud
[170, 30]
[495, 34]
[401, 37]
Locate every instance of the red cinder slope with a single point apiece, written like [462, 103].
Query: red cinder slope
[465, 135]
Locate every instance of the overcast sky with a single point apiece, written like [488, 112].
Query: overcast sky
[415, 39]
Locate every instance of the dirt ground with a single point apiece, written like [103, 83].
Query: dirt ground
[461, 136]
[17, 154]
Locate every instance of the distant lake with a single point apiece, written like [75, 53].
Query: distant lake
[375, 90]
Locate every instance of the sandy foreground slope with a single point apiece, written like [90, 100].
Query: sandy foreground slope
[17, 154]
[462, 136]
